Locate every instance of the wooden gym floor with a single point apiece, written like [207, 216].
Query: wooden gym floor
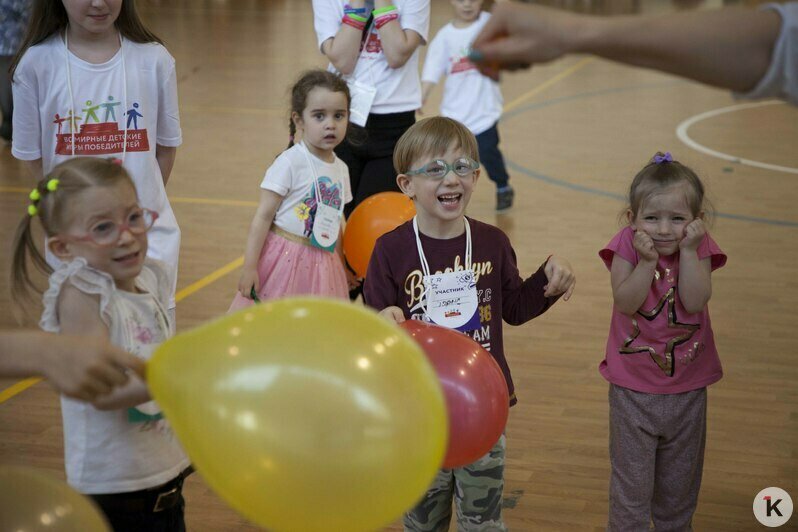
[574, 133]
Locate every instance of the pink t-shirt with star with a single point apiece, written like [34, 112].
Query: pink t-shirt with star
[663, 348]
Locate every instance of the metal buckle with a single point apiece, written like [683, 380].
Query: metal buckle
[166, 499]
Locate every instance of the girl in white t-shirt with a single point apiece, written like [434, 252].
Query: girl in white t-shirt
[119, 450]
[293, 247]
[90, 79]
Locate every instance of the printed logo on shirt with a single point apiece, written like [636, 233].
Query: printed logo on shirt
[331, 195]
[461, 63]
[96, 136]
[373, 44]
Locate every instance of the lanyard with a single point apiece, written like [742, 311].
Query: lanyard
[72, 97]
[319, 202]
[424, 264]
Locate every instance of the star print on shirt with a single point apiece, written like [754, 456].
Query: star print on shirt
[665, 363]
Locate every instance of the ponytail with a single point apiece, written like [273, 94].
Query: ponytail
[22, 286]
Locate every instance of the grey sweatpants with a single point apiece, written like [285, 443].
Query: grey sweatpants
[657, 457]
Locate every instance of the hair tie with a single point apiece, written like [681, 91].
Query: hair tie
[291, 138]
[52, 185]
[115, 160]
[659, 159]
[35, 195]
[32, 210]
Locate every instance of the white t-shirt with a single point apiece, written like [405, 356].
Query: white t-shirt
[781, 78]
[291, 177]
[468, 96]
[130, 449]
[398, 89]
[103, 106]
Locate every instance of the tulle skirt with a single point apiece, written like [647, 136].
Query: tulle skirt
[290, 268]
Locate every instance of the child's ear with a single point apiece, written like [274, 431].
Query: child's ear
[630, 218]
[477, 172]
[405, 184]
[296, 119]
[59, 248]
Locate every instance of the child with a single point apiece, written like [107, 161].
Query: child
[119, 451]
[293, 247]
[441, 252]
[468, 96]
[661, 354]
[91, 79]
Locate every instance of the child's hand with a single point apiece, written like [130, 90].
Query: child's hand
[561, 278]
[693, 234]
[644, 246]
[352, 279]
[248, 281]
[393, 314]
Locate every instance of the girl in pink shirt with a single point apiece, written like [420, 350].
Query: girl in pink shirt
[661, 353]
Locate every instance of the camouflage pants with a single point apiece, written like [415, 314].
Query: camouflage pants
[477, 493]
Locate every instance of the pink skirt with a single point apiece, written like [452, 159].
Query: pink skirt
[289, 268]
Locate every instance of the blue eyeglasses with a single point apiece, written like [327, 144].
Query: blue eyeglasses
[438, 169]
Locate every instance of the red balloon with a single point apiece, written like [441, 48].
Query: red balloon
[473, 383]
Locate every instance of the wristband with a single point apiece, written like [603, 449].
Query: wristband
[349, 10]
[382, 20]
[352, 20]
[382, 10]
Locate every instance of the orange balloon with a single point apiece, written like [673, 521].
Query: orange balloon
[377, 215]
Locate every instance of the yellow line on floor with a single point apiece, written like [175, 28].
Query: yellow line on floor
[17, 388]
[546, 84]
[196, 201]
[210, 278]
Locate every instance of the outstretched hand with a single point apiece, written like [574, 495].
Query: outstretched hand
[87, 368]
[517, 36]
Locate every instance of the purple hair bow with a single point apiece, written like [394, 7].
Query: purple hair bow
[659, 159]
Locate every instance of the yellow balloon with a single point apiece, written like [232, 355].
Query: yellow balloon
[32, 501]
[305, 413]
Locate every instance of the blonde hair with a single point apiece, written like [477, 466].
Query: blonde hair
[53, 208]
[661, 173]
[432, 137]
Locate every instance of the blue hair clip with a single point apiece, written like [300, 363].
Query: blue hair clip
[659, 159]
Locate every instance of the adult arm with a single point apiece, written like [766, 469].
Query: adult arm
[78, 367]
[728, 48]
[398, 41]
[342, 47]
[80, 315]
[165, 155]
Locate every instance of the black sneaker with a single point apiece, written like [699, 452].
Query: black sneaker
[504, 199]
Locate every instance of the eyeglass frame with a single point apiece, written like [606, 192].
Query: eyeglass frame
[125, 226]
[449, 168]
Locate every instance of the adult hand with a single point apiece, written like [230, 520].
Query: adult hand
[517, 36]
[86, 368]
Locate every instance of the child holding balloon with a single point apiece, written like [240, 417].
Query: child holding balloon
[459, 273]
[293, 244]
[119, 450]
